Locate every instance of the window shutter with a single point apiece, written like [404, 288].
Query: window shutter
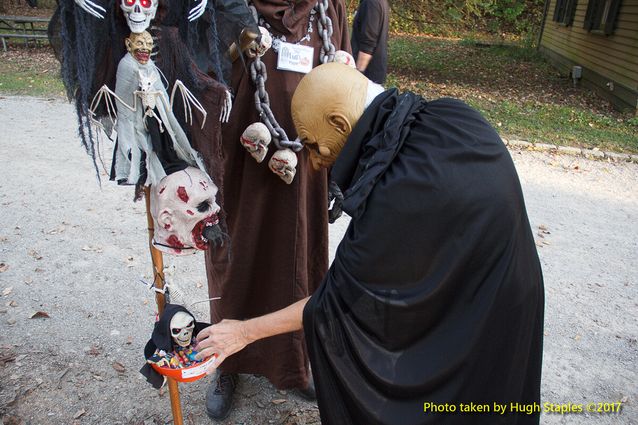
[571, 9]
[610, 25]
[560, 4]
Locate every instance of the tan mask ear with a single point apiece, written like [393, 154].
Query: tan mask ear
[340, 123]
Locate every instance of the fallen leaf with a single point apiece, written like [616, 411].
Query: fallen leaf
[260, 405]
[98, 377]
[199, 284]
[119, 367]
[35, 254]
[625, 399]
[577, 338]
[40, 315]
[28, 281]
[79, 413]
[11, 321]
[279, 401]
[94, 351]
[7, 291]
[3, 267]
[129, 340]
[12, 303]
[38, 270]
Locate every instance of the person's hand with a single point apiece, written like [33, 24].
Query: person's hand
[223, 339]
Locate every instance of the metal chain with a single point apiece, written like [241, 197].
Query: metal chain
[324, 25]
[259, 76]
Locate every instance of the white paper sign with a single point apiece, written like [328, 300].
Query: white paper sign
[295, 57]
[198, 370]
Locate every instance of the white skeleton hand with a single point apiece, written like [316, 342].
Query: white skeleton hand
[198, 10]
[226, 108]
[91, 8]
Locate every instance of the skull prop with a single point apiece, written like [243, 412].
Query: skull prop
[284, 163]
[256, 139]
[259, 48]
[139, 13]
[341, 56]
[182, 325]
[185, 212]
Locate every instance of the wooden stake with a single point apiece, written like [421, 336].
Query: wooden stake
[158, 281]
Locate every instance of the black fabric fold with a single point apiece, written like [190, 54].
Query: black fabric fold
[435, 294]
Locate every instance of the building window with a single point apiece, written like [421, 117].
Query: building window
[601, 16]
[564, 11]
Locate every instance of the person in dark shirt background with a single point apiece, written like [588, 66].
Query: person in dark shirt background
[370, 39]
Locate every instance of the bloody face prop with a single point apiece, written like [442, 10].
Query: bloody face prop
[140, 45]
[184, 211]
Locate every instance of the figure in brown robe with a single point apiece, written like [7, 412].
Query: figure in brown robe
[278, 232]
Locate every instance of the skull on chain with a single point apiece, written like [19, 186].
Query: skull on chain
[260, 48]
[182, 326]
[256, 139]
[284, 164]
[139, 13]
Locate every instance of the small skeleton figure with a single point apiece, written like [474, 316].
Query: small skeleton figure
[182, 325]
[256, 139]
[184, 211]
[138, 82]
[284, 164]
[172, 342]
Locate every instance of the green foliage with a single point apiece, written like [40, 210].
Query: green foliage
[514, 88]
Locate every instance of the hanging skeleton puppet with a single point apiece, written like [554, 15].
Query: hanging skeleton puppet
[152, 146]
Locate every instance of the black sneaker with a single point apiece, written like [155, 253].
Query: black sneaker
[219, 396]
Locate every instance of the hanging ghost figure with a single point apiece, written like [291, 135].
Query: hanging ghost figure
[256, 139]
[148, 132]
[184, 210]
[284, 164]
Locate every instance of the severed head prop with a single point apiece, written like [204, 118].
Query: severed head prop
[184, 209]
[139, 13]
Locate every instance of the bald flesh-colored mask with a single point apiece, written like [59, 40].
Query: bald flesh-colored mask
[325, 107]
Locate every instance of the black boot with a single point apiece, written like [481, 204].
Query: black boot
[219, 396]
[309, 392]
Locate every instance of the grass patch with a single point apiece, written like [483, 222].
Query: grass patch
[517, 91]
[30, 72]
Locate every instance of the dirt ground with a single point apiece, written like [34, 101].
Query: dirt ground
[75, 314]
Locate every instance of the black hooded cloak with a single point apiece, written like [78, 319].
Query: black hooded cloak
[436, 293]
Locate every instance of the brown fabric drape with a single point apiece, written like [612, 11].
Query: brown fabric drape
[279, 232]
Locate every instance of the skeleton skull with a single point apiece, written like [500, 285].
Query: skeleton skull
[139, 13]
[182, 325]
[256, 139]
[284, 163]
[183, 207]
[259, 49]
[341, 56]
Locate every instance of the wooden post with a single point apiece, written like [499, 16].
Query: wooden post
[158, 281]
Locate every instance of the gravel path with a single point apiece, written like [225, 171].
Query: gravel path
[76, 252]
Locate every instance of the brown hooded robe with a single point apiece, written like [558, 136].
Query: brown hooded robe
[278, 232]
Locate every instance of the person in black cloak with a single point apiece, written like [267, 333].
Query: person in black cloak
[435, 296]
